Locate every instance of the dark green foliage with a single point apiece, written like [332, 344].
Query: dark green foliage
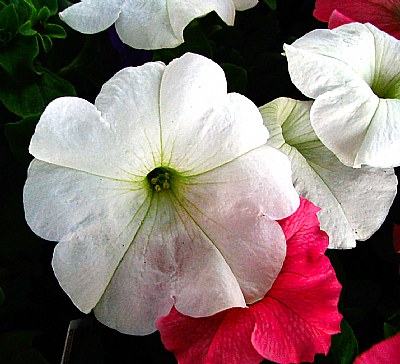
[344, 346]
[16, 348]
[27, 29]
[271, 4]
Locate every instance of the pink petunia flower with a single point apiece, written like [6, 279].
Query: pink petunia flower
[385, 352]
[293, 322]
[384, 14]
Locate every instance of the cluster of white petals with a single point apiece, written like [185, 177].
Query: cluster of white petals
[353, 73]
[145, 24]
[162, 193]
[354, 201]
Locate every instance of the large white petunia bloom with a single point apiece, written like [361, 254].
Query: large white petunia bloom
[353, 73]
[146, 24]
[354, 202]
[161, 193]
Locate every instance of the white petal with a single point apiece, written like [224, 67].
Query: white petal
[354, 202]
[194, 105]
[346, 70]
[235, 204]
[325, 59]
[94, 218]
[129, 101]
[244, 4]
[183, 12]
[92, 16]
[381, 146]
[118, 139]
[190, 85]
[386, 81]
[358, 127]
[119, 249]
[203, 243]
[172, 257]
[146, 25]
[341, 118]
[170, 261]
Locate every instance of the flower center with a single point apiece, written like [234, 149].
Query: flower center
[159, 179]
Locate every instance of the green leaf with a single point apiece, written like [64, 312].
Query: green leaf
[16, 348]
[29, 97]
[44, 14]
[51, 5]
[18, 54]
[63, 4]
[271, 4]
[344, 347]
[55, 31]
[236, 77]
[19, 135]
[26, 29]
[46, 42]
[27, 10]
[389, 330]
[9, 23]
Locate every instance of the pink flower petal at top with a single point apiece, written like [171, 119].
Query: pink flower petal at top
[385, 352]
[384, 14]
[337, 19]
[292, 323]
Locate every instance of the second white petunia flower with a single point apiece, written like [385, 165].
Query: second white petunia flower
[353, 73]
[162, 193]
[148, 24]
[354, 202]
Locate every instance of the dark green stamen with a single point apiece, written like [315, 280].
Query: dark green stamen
[159, 179]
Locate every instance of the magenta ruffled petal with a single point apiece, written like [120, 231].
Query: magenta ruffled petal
[292, 323]
[383, 14]
[337, 19]
[385, 352]
[205, 340]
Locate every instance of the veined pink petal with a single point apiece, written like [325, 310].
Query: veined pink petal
[222, 338]
[293, 322]
[298, 316]
[385, 352]
[384, 14]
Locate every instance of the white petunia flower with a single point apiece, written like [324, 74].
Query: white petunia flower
[162, 193]
[354, 202]
[148, 24]
[353, 73]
